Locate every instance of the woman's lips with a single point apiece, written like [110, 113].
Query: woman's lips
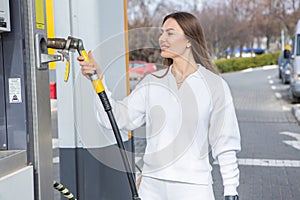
[163, 47]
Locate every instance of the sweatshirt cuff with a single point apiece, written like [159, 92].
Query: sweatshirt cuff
[230, 190]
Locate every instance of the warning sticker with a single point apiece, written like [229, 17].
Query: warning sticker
[14, 88]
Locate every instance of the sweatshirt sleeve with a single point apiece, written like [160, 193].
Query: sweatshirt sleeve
[229, 172]
[129, 112]
[224, 137]
[224, 134]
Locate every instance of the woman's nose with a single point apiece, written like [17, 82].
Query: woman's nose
[162, 37]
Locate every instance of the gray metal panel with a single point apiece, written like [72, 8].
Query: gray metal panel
[68, 169]
[18, 185]
[28, 121]
[13, 51]
[11, 161]
[3, 138]
[38, 104]
[95, 180]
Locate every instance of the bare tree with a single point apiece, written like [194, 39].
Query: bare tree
[227, 23]
[288, 13]
[226, 26]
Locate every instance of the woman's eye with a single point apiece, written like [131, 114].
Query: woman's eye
[170, 33]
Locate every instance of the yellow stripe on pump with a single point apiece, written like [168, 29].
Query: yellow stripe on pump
[98, 85]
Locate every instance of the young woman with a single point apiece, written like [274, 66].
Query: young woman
[188, 112]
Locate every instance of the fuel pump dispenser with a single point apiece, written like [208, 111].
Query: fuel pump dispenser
[25, 115]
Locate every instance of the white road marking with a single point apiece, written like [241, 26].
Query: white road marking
[267, 162]
[286, 108]
[271, 81]
[278, 95]
[248, 70]
[260, 68]
[269, 67]
[273, 87]
[293, 143]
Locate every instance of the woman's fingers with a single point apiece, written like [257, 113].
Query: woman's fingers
[89, 68]
[90, 56]
[80, 58]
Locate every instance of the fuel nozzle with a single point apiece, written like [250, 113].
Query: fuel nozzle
[65, 46]
[69, 44]
[56, 43]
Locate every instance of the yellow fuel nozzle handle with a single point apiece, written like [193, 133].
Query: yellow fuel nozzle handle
[84, 54]
[96, 81]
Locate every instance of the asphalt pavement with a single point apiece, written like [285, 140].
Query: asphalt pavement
[269, 162]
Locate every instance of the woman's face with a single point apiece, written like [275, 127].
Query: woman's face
[172, 40]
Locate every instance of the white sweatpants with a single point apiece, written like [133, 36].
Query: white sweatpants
[157, 189]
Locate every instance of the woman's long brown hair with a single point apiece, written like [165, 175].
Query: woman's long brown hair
[193, 31]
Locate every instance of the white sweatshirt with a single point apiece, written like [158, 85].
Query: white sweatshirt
[182, 126]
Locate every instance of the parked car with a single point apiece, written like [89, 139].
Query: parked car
[286, 72]
[139, 69]
[294, 91]
[284, 58]
[284, 65]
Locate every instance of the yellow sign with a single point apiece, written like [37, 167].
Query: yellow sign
[39, 14]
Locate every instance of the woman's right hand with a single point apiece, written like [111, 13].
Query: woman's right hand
[89, 68]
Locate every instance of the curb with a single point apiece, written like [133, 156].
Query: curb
[296, 112]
